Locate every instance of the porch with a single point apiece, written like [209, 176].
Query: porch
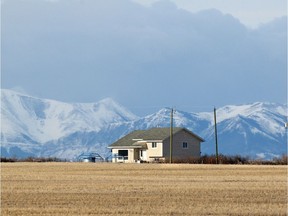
[129, 155]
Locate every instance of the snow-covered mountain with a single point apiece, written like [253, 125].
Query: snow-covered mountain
[29, 123]
[256, 130]
[40, 127]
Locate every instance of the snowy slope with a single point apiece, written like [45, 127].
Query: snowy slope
[43, 120]
[29, 122]
[256, 129]
[41, 127]
[252, 129]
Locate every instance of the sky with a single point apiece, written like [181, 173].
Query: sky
[251, 13]
[187, 54]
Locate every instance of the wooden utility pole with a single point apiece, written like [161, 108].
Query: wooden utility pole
[171, 134]
[216, 141]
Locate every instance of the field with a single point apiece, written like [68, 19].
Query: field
[142, 189]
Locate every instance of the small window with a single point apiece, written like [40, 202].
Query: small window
[123, 153]
[154, 144]
[185, 145]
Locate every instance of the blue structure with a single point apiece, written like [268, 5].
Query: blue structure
[90, 157]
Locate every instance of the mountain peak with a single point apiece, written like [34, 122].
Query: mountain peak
[10, 93]
[231, 111]
[107, 101]
[110, 105]
[43, 119]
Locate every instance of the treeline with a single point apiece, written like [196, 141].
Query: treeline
[236, 159]
[205, 159]
[32, 159]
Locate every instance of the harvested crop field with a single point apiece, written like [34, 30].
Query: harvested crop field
[142, 189]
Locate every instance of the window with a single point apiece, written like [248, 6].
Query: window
[123, 154]
[185, 145]
[154, 144]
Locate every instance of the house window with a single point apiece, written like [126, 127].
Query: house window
[123, 154]
[185, 145]
[154, 144]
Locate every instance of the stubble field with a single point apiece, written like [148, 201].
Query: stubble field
[142, 189]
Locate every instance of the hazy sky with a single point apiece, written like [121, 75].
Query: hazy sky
[252, 13]
[147, 56]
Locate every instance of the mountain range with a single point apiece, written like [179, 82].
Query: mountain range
[38, 127]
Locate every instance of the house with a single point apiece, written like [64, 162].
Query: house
[154, 145]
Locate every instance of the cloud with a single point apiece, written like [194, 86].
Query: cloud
[85, 50]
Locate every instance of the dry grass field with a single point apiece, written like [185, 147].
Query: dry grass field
[142, 189]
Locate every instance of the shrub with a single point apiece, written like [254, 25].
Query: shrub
[4, 159]
[283, 160]
[42, 159]
[211, 159]
[32, 159]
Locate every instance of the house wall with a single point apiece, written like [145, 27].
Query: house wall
[136, 155]
[154, 152]
[133, 154]
[114, 151]
[178, 151]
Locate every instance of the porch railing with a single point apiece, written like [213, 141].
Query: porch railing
[120, 158]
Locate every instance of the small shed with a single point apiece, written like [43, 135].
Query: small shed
[90, 157]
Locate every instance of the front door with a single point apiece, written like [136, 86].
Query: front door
[143, 155]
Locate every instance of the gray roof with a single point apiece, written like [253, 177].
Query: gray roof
[128, 139]
[151, 134]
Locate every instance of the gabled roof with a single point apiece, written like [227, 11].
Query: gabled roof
[158, 133]
[147, 135]
[128, 139]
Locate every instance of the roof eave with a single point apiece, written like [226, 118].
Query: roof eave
[126, 147]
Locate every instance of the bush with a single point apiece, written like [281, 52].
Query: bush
[4, 159]
[41, 159]
[236, 159]
[283, 160]
[211, 159]
[32, 159]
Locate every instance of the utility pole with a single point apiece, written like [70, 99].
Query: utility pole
[216, 141]
[171, 134]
